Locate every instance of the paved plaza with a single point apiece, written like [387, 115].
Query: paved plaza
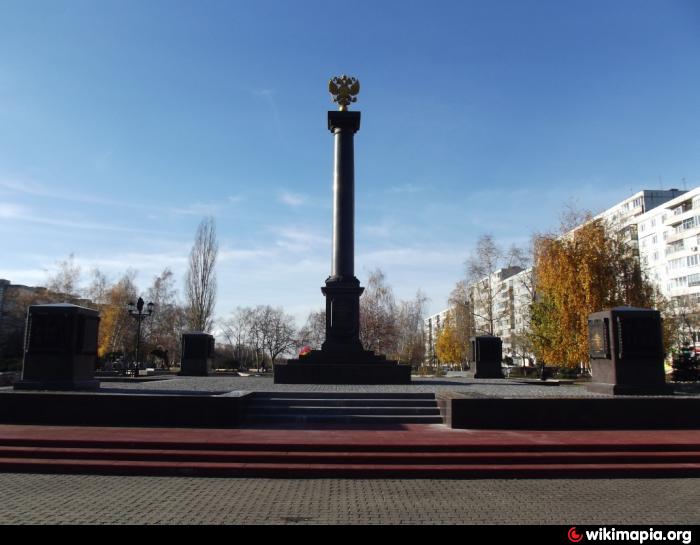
[30, 498]
[496, 388]
[66, 499]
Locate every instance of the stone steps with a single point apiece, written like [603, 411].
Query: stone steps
[418, 452]
[342, 408]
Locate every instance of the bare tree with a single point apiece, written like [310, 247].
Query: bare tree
[460, 302]
[486, 269]
[378, 315]
[313, 333]
[263, 332]
[63, 284]
[96, 291]
[235, 331]
[200, 281]
[278, 333]
[164, 329]
[410, 342]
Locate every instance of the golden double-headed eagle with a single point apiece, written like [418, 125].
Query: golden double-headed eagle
[344, 90]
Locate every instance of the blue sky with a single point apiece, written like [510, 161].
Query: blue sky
[122, 124]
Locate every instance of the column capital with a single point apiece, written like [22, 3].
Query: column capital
[344, 120]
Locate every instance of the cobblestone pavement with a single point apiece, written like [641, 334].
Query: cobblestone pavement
[85, 499]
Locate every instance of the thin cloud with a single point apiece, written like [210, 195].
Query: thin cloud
[407, 188]
[292, 199]
[20, 213]
[198, 209]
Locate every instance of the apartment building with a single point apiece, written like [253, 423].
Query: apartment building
[669, 246]
[662, 225]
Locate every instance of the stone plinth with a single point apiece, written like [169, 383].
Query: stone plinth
[197, 354]
[60, 350]
[626, 352]
[356, 367]
[487, 352]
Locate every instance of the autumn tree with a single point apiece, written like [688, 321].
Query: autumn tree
[583, 271]
[449, 348]
[200, 280]
[116, 330]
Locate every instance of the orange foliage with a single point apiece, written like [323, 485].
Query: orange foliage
[585, 271]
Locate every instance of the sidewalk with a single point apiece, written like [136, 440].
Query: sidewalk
[66, 499]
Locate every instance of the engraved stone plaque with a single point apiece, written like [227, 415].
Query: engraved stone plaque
[598, 340]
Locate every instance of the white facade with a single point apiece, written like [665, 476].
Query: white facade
[663, 224]
[669, 245]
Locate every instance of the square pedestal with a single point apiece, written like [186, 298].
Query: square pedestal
[197, 354]
[320, 367]
[625, 345]
[60, 351]
[487, 353]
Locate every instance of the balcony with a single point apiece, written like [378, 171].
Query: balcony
[673, 219]
[686, 233]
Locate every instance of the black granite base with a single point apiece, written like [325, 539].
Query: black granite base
[595, 413]
[627, 389]
[207, 410]
[488, 369]
[322, 367]
[60, 385]
[200, 367]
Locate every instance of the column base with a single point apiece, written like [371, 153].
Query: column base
[325, 367]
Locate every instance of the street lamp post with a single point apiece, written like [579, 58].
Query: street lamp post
[138, 313]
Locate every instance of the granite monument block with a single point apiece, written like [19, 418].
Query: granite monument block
[626, 352]
[197, 354]
[60, 348]
[487, 353]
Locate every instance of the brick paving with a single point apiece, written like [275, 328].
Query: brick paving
[66, 499]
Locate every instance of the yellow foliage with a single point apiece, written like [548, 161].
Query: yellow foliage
[586, 271]
[448, 347]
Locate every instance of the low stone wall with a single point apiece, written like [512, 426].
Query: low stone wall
[106, 409]
[468, 412]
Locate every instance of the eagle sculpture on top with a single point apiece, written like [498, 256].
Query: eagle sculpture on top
[344, 90]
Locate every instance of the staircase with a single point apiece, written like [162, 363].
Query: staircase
[350, 454]
[342, 408]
